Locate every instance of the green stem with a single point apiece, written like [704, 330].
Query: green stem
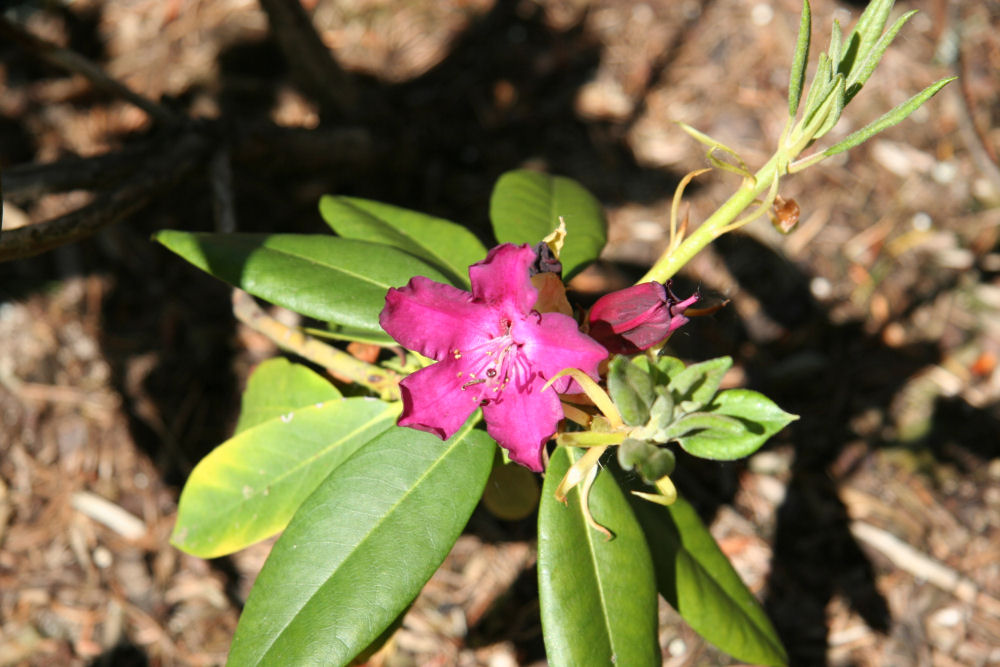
[670, 262]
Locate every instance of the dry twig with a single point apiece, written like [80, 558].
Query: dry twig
[924, 567]
[156, 175]
[310, 59]
[340, 363]
[74, 62]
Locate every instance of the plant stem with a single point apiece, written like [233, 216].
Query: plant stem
[670, 262]
[383, 382]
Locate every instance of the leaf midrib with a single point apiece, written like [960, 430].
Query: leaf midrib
[367, 536]
[325, 450]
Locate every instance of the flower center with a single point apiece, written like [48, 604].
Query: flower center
[491, 366]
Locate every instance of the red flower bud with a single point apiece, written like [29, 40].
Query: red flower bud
[638, 317]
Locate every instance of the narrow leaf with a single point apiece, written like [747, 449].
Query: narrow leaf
[361, 547]
[836, 45]
[888, 119]
[819, 88]
[249, 487]
[698, 581]
[860, 75]
[597, 596]
[799, 60]
[870, 25]
[526, 206]
[331, 279]
[444, 244]
[277, 387]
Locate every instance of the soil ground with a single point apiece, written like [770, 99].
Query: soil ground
[877, 319]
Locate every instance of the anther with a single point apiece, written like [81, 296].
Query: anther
[491, 372]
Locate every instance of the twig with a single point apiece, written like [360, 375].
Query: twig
[27, 182]
[310, 59]
[74, 62]
[104, 511]
[221, 175]
[922, 566]
[384, 382]
[157, 174]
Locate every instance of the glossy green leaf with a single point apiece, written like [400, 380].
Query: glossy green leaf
[249, 487]
[698, 383]
[329, 278]
[277, 387]
[597, 596]
[526, 206]
[444, 244]
[361, 547]
[696, 578]
[797, 76]
[760, 417]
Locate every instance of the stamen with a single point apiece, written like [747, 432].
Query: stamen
[470, 383]
[491, 372]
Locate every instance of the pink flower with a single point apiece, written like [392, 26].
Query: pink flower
[492, 350]
[638, 317]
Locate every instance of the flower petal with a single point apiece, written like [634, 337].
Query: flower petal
[502, 278]
[522, 421]
[434, 319]
[553, 342]
[434, 399]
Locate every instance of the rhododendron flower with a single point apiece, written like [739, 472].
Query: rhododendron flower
[638, 317]
[493, 350]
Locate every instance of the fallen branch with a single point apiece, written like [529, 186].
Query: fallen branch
[309, 58]
[924, 567]
[160, 172]
[27, 182]
[74, 62]
[384, 382]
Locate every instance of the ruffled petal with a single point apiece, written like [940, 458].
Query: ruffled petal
[502, 281]
[434, 399]
[553, 342]
[434, 319]
[522, 421]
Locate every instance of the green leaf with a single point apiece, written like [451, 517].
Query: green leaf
[325, 277]
[444, 244]
[759, 415]
[696, 578]
[526, 206]
[860, 74]
[277, 387]
[835, 50]
[361, 547]
[704, 421]
[597, 596]
[698, 383]
[799, 60]
[819, 88]
[249, 487]
[631, 389]
[869, 28]
[888, 119]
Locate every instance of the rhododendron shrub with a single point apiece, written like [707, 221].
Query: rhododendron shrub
[471, 369]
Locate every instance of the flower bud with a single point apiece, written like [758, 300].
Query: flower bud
[638, 317]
